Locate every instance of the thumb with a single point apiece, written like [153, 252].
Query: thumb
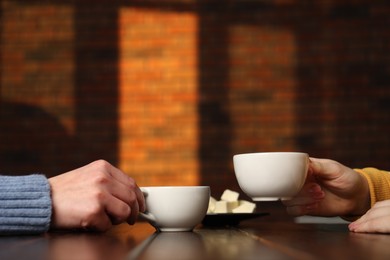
[323, 168]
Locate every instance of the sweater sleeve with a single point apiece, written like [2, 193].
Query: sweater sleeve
[25, 204]
[378, 182]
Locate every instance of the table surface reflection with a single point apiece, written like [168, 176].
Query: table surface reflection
[265, 238]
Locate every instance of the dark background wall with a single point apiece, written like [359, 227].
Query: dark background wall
[275, 75]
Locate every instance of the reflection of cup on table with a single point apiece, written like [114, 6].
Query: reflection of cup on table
[175, 245]
[271, 176]
[175, 208]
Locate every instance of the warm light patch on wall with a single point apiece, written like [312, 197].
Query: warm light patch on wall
[262, 88]
[38, 59]
[158, 96]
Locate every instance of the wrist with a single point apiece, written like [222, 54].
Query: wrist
[363, 198]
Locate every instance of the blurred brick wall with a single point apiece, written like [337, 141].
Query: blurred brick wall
[170, 90]
[158, 96]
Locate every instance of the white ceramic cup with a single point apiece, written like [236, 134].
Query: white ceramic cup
[271, 176]
[175, 208]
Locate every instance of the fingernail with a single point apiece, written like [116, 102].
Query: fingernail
[315, 188]
[352, 226]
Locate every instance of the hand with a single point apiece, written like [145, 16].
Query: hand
[94, 197]
[331, 189]
[376, 220]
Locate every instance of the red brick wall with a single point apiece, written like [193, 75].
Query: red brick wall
[158, 96]
[170, 90]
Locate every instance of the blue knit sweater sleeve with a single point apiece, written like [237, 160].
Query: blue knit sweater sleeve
[25, 204]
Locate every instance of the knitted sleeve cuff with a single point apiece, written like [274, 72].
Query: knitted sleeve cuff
[25, 204]
[378, 182]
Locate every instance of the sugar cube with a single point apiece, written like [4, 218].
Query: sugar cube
[229, 195]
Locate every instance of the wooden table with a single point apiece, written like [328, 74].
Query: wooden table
[264, 238]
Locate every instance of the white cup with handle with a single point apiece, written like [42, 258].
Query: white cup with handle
[175, 208]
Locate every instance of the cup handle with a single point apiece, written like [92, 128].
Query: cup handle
[146, 215]
[144, 191]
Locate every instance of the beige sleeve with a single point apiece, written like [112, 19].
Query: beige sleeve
[378, 182]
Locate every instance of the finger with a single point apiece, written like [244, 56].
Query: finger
[121, 192]
[301, 210]
[377, 211]
[118, 174]
[318, 168]
[310, 173]
[133, 214]
[97, 222]
[132, 186]
[118, 210]
[376, 225]
[133, 196]
[129, 184]
[140, 198]
[324, 168]
[383, 203]
[307, 202]
[103, 224]
[310, 193]
[299, 201]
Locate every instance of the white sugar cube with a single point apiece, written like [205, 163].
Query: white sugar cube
[229, 203]
[221, 207]
[241, 202]
[212, 202]
[245, 207]
[229, 195]
[232, 205]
